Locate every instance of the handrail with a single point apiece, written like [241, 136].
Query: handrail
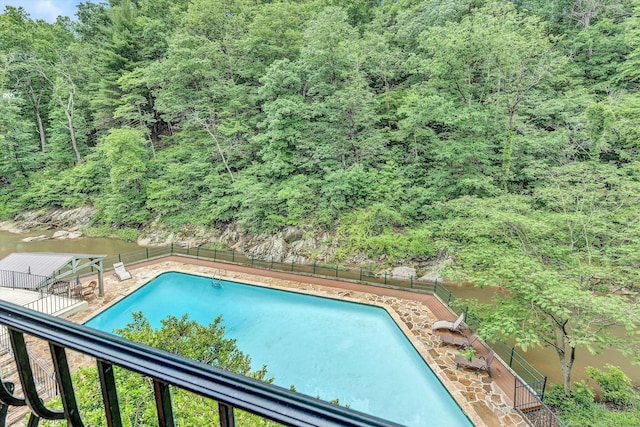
[44, 378]
[230, 389]
[527, 402]
[19, 280]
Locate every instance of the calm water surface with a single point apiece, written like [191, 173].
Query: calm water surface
[324, 347]
[11, 242]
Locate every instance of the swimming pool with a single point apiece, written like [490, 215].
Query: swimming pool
[328, 348]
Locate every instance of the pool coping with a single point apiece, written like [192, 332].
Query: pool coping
[475, 394]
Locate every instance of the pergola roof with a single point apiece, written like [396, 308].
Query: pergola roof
[48, 264]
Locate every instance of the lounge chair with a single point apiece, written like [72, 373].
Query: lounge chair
[120, 271]
[459, 340]
[478, 363]
[448, 324]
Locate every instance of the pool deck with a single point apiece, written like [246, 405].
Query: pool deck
[487, 401]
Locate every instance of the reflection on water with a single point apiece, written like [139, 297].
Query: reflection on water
[10, 242]
[544, 359]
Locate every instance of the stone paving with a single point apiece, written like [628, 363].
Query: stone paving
[477, 394]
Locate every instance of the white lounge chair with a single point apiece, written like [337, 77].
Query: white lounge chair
[448, 324]
[121, 272]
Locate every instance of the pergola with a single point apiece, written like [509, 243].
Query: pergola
[52, 266]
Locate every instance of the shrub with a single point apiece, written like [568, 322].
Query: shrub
[616, 386]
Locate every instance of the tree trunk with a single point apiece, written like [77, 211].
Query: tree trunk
[72, 134]
[567, 365]
[43, 137]
[35, 101]
[566, 361]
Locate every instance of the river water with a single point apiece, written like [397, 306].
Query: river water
[544, 359]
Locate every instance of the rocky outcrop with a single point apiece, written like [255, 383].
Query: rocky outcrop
[294, 243]
[68, 219]
[65, 234]
[36, 238]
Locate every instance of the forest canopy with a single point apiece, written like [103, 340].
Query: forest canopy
[275, 114]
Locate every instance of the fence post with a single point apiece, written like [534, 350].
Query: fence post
[187, 249]
[233, 256]
[361, 274]
[336, 270]
[214, 253]
[119, 258]
[198, 252]
[449, 298]
[314, 267]
[251, 260]
[411, 282]
[385, 277]
[511, 356]
[272, 262]
[292, 261]
[171, 248]
[147, 253]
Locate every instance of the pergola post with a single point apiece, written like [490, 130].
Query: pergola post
[100, 279]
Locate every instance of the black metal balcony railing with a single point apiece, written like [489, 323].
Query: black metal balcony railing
[165, 369]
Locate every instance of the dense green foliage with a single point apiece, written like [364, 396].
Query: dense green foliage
[502, 137]
[283, 113]
[135, 393]
[617, 405]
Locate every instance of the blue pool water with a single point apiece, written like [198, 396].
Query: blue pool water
[327, 348]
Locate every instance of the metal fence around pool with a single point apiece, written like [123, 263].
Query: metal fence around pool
[534, 380]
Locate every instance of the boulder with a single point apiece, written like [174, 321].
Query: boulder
[403, 272]
[60, 234]
[272, 248]
[35, 238]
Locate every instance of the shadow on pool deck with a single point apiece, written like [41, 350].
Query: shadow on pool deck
[487, 401]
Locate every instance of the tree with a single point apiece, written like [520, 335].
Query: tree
[495, 55]
[561, 258]
[126, 157]
[18, 157]
[182, 336]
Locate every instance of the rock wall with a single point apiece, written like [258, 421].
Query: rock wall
[299, 244]
[59, 218]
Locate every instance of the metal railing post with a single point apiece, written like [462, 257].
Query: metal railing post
[147, 252]
[314, 267]
[411, 282]
[215, 252]
[385, 277]
[336, 270]
[272, 263]
[292, 262]
[233, 256]
[251, 260]
[511, 356]
[119, 258]
[361, 274]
